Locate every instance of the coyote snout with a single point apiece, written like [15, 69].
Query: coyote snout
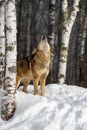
[35, 67]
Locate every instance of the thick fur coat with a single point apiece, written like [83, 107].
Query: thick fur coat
[35, 67]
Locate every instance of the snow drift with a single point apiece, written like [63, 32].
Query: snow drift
[62, 108]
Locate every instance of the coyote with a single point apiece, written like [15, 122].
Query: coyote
[35, 67]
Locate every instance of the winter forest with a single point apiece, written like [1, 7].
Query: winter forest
[38, 17]
[23, 22]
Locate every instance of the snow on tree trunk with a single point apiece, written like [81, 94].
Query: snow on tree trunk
[2, 42]
[68, 20]
[52, 33]
[8, 102]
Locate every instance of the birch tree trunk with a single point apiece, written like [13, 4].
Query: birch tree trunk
[2, 42]
[52, 34]
[67, 23]
[8, 102]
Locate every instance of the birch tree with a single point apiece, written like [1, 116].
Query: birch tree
[68, 20]
[8, 102]
[2, 42]
[52, 33]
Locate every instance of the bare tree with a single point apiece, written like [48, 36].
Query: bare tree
[83, 64]
[52, 33]
[2, 42]
[82, 46]
[8, 102]
[68, 19]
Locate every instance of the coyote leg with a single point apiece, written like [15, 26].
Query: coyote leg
[25, 84]
[42, 83]
[36, 80]
[18, 78]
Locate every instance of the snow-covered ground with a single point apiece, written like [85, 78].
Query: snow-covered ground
[62, 108]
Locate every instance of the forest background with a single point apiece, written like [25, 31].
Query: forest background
[33, 20]
[64, 24]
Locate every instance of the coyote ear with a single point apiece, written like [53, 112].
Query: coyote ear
[43, 37]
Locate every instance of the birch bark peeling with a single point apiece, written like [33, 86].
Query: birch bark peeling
[2, 42]
[67, 24]
[8, 102]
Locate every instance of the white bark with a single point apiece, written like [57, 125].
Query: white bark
[2, 42]
[8, 103]
[68, 22]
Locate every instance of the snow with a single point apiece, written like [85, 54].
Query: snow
[63, 107]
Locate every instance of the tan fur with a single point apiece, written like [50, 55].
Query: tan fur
[35, 67]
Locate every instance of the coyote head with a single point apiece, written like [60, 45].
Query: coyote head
[43, 44]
